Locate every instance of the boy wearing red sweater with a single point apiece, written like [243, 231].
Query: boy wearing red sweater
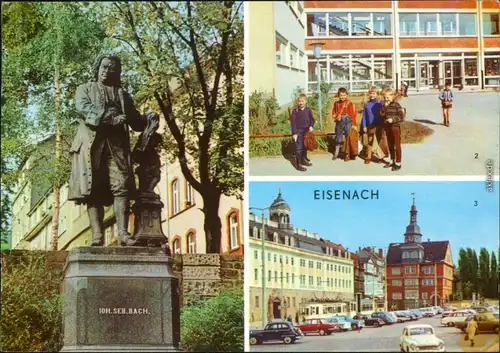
[344, 114]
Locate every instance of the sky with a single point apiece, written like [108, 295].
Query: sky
[446, 211]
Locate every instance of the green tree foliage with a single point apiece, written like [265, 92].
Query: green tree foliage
[48, 48]
[31, 305]
[216, 325]
[187, 62]
[494, 272]
[484, 272]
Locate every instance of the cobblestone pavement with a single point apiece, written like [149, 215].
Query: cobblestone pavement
[448, 151]
[382, 339]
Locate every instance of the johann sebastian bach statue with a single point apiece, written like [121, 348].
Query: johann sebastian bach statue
[101, 173]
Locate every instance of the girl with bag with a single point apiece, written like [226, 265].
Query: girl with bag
[344, 114]
[471, 330]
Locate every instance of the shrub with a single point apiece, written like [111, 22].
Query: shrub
[214, 325]
[31, 305]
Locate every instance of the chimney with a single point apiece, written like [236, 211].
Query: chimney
[359, 249]
[380, 253]
[428, 240]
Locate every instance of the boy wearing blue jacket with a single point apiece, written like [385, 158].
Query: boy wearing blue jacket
[372, 124]
[446, 98]
[301, 121]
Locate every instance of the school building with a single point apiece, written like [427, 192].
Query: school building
[425, 43]
[277, 61]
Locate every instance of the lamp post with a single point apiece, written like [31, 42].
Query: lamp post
[317, 54]
[263, 253]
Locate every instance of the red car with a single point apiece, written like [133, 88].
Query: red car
[317, 326]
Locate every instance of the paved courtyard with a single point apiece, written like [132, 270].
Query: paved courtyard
[474, 132]
[382, 339]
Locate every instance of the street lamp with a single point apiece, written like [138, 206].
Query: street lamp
[317, 54]
[263, 262]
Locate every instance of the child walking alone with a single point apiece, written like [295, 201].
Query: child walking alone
[393, 114]
[446, 98]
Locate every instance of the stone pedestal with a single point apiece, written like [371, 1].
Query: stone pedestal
[147, 221]
[120, 299]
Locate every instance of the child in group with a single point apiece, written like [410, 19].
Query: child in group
[344, 113]
[372, 124]
[393, 114]
[301, 121]
[446, 98]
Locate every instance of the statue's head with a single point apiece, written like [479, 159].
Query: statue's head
[108, 69]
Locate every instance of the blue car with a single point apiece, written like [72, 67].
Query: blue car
[354, 323]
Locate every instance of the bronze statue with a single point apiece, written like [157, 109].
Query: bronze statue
[101, 172]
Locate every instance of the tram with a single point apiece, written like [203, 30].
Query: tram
[324, 310]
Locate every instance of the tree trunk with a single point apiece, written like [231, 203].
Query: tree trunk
[56, 187]
[212, 224]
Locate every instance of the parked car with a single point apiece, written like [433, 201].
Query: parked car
[384, 315]
[371, 321]
[480, 309]
[354, 323]
[428, 312]
[393, 314]
[275, 331]
[452, 318]
[420, 337]
[319, 326]
[402, 317]
[342, 325]
[446, 313]
[486, 322]
[417, 312]
[408, 314]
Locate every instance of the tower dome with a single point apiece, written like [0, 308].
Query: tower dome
[279, 212]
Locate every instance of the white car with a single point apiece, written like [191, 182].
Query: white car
[340, 322]
[452, 318]
[420, 337]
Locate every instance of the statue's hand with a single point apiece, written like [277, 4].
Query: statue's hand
[119, 120]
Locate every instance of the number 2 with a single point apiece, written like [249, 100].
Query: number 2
[476, 155]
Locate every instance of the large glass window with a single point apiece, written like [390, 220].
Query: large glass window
[448, 23]
[382, 70]
[490, 24]
[360, 24]
[492, 69]
[466, 24]
[280, 50]
[316, 24]
[428, 24]
[339, 72]
[408, 24]
[361, 72]
[382, 24]
[313, 74]
[338, 24]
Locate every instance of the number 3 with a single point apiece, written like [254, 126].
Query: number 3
[475, 203]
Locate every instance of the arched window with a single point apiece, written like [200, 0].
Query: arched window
[233, 230]
[191, 243]
[414, 255]
[176, 200]
[189, 195]
[177, 246]
[405, 255]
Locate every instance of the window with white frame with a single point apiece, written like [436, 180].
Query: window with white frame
[293, 56]
[410, 269]
[491, 24]
[397, 282]
[408, 24]
[428, 24]
[360, 24]
[397, 296]
[427, 282]
[256, 274]
[448, 23]
[176, 200]
[492, 68]
[411, 282]
[338, 24]
[425, 296]
[428, 269]
[255, 254]
[281, 44]
[316, 24]
[191, 245]
[177, 246]
[382, 25]
[395, 271]
[411, 294]
[189, 195]
[301, 62]
[467, 24]
[233, 230]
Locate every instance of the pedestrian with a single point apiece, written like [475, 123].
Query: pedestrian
[471, 330]
[301, 121]
[393, 114]
[372, 125]
[404, 88]
[344, 114]
[289, 319]
[446, 98]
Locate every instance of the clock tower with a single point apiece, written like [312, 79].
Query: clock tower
[413, 234]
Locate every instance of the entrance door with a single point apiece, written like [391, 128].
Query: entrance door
[277, 309]
[448, 73]
[424, 74]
